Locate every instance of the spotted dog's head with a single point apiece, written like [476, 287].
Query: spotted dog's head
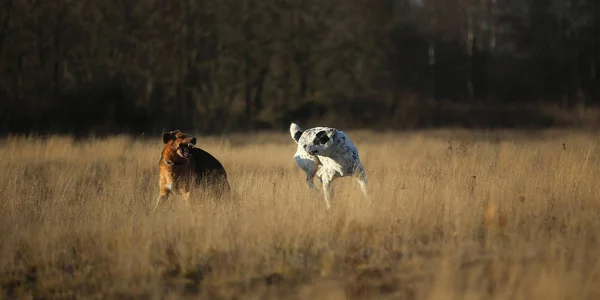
[321, 143]
[179, 142]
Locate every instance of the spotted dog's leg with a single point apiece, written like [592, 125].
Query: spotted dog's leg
[310, 175]
[310, 165]
[310, 182]
[328, 191]
[361, 177]
[327, 178]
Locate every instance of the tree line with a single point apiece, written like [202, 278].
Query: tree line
[221, 65]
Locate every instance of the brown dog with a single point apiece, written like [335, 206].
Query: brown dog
[183, 167]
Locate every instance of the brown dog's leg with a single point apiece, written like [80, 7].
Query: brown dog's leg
[186, 197]
[164, 194]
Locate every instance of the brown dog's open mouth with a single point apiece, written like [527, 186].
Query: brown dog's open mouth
[185, 150]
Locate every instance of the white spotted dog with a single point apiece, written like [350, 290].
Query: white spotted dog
[329, 154]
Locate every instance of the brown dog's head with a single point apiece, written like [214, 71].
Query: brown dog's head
[179, 142]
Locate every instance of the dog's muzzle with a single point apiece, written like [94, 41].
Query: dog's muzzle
[313, 153]
[185, 150]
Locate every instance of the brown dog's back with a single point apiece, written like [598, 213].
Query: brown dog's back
[209, 170]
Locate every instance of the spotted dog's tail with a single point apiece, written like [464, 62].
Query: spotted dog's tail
[295, 131]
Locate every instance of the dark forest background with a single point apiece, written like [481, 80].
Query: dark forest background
[106, 66]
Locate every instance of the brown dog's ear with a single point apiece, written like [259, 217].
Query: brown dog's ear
[167, 136]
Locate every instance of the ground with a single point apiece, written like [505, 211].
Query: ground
[454, 214]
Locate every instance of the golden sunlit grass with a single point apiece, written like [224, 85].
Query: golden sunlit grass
[453, 215]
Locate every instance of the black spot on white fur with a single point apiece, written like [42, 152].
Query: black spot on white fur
[321, 138]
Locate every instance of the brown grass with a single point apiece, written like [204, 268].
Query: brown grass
[454, 215]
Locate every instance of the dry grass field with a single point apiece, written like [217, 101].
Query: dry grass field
[453, 215]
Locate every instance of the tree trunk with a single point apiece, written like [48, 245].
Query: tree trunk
[4, 25]
[56, 76]
[431, 55]
[260, 83]
[470, 50]
[248, 92]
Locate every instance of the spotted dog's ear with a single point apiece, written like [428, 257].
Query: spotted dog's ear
[297, 135]
[167, 136]
[321, 137]
[295, 131]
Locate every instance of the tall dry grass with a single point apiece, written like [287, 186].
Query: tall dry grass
[453, 215]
